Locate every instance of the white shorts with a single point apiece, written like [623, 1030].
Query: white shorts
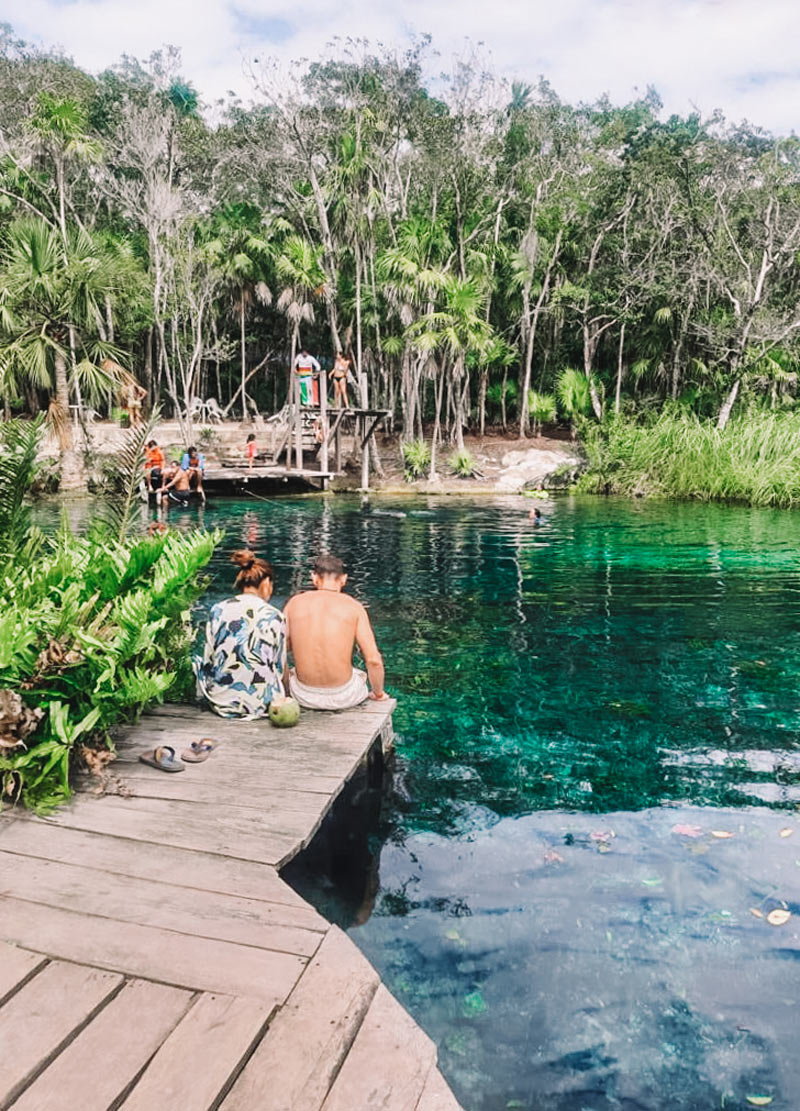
[353, 693]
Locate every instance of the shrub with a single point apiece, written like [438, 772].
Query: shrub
[541, 408]
[462, 463]
[94, 628]
[416, 459]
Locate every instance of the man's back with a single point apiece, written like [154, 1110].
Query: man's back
[323, 627]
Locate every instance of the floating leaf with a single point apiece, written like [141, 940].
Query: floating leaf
[779, 917]
[653, 881]
[687, 831]
[602, 834]
[759, 1101]
[786, 832]
[553, 857]
[756, 912]
[452, 935]
[721, 833]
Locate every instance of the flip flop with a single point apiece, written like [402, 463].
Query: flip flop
[198, 751]
[162, 758]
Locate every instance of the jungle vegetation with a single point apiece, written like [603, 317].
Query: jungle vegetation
[490, 254]
[94, 627]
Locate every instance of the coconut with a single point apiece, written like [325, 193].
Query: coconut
[284, 711]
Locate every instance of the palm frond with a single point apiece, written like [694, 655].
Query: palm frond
[119, 511]
[19, 444]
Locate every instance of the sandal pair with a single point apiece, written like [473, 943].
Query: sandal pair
[164, 758]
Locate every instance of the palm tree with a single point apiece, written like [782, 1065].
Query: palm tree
[241, 258]
[47, 288]
[299, 265]
[457, 330]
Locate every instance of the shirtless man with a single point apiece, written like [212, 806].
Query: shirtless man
[177, 490]
[324, 626]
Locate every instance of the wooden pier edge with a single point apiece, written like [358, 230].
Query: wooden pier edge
[152, 958]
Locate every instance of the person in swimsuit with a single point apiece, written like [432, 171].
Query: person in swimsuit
[178, 490]
[194, 462]
[244, 656]
[251, 450]
[306, 367]
[341, 368]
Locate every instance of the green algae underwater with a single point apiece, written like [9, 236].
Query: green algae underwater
[594, 814]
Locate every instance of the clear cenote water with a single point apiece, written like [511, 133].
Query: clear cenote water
[597, 787]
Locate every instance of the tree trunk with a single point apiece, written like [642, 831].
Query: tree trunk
[72, 475]
[727, 405]
[619, 369]
[244, 356]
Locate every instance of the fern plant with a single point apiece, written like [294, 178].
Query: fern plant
[94, 628]
[541, 409]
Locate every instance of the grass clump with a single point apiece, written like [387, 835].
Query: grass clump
[416, 459]
[754, 460]
[462, 463]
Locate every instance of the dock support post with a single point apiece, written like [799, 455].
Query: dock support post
[365, 445]
[323, 420]
[298, 426]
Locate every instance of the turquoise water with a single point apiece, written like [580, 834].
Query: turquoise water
[597, 785]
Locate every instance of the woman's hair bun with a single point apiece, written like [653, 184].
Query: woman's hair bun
[244, 559]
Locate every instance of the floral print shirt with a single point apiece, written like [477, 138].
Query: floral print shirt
[244, 656]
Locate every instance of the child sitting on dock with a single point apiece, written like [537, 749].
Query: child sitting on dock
[324, 626]
[244, 658]
[194, 463]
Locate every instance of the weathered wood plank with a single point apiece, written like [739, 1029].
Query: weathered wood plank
[202, 914]
[187, 868]
[157, 954]
[222, 783]
[217, 1034]
[97, 1067]
[110, 817]
[16, 968]
[389, 1062]
[303, 1049]
[436, 1096]
[40, 1018]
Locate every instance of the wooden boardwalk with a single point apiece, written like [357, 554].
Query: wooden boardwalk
[152, 959]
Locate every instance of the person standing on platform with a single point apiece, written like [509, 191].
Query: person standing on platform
[305, 367]
[341, 368]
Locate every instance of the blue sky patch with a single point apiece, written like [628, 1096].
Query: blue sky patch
[263, 28]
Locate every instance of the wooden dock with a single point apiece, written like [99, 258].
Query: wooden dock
[152, 959]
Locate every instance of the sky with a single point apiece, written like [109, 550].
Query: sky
[742, 56]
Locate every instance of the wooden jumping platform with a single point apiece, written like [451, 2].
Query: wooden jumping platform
[152, 958]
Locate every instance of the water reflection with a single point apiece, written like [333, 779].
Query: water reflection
[622, 668]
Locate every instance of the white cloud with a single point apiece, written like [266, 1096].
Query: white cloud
[731, 54]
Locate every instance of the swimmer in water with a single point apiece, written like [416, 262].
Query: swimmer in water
[535, 516]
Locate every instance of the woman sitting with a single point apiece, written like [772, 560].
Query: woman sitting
[244, 658]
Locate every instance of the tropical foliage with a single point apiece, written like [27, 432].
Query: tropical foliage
[94, 627]
[478, 252]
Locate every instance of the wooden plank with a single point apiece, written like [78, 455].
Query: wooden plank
[201, 914]
[109, 817]
[436, 1096]
[295, 1064]
[16, 968]
[217, 1034]
[41, 1017]
[180, 867]
[99, 1065]
[389, 1062]
[146, 784]
[157, 954]
[218, 811]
